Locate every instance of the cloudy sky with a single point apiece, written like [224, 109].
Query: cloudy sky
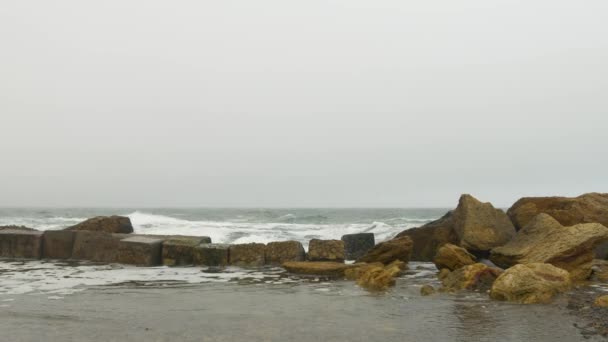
[309, 103]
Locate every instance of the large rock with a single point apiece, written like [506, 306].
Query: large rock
[58, 244]
[471, 277]
[389, 251]
[473, 225]
[569, 211]
[428, 238]
[96, 246]
[211, 254]
[530, 283]
[283, 251]
[20, 243]
[140, 251]
[106, 224]
[453, 257]
[381, 278]
[545, 240]
[179, 250]
[356, 245]
[319, 268]
[326, 250]
[248, 254]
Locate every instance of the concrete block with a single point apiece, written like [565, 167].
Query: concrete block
[139, 250]
[179, 250]
[280, 252]
[211, 254]
[356, 245]
[57, 244]
[248, 254]
[96, 246]
[20, 243]
[326, 250]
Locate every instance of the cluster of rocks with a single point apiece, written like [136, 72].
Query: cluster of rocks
[540, 247]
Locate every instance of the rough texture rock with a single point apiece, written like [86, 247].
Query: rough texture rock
[381, 278]
[326, 250]
[544, 240]
[601, 301]
[453, 257]
[20, 243]
[211, 254]
[443, 273]
[389, 251]
[320, 268]
[474, 225]
[471, 277]
[568, 211]
[96, 246]
[356, 245]
[179, 251]
[427, 290]
[249, 254]
[530, 283]
[428, 238]
[480, 226]
[139, 250]
[57, 244]
[283, 251]
[355, 272]
[106, 224]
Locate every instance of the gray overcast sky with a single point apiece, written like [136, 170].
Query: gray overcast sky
[307, 103]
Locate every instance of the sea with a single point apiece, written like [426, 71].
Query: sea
[238, 225]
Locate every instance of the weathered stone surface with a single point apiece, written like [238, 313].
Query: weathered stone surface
[13, 227]
[389, 251]
[106, 224]
[471, 277]
[211, 254]
[283, 251]
[20, 243]
[96, 246]
[545, 240]
[481, 227]
[381, 278]
[530, 283]
[57, 244]
[443, 273]
[428, 238]
[453, 257]
[427, 290]
[568, 211]
[601, 301]
[179, 250]
[139, 250]
[473, 225]
[356, 245]
[355, 272]
[248, 254]
[599, 270]
[320, 268]
[326, 250]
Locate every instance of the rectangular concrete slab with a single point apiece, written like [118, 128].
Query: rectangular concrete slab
[211, 254]
[282, 251]
[179, 250]
[139, 250]
[15, 243]
[57, 244]
[96, 246]
[248, 254]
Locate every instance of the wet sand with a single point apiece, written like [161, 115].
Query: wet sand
[283, 308]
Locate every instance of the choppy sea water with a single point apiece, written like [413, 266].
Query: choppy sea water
[238, 225]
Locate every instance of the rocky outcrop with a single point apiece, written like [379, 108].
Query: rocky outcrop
[452, 257]
[530, 283]
[568, 211]
[140, 251]
[106, 224]
[471, 277]
[473, 225]
[427, 290]
[356, 245]
[211, 254]
[248, 254]
[318, 268]
[179, 250]
[389, 251]
[428, 238]
[355, 272]
[20, 243]
[57, 244]
[283, 251]
[545, 240]
[381, 278]
[326, 250]
[601, 301]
